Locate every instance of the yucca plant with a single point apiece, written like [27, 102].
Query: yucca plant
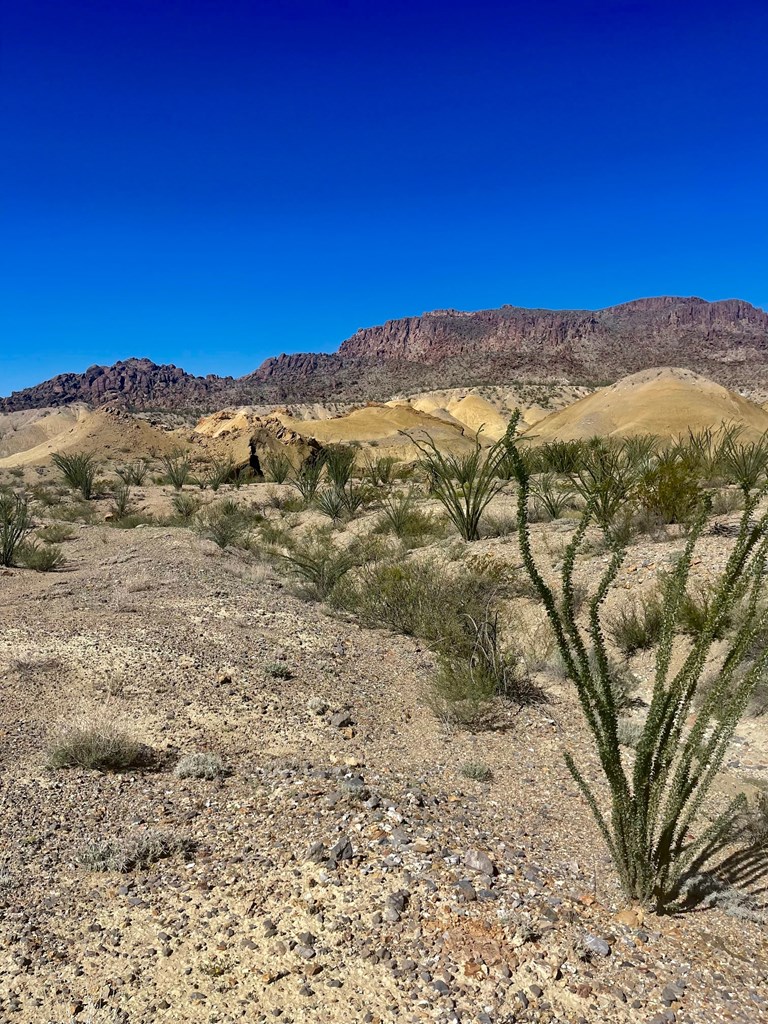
[79, 471]
[330, 501]
[134, 474]
[339, 462]
[177, 470]
[745, 464]
[554, 497]
[277, 467]
[655, 803]
[307, 478]
[121, 500]
[15, 523]
[465, 484]
[380, 472]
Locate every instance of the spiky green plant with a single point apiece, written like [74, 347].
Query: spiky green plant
[465, 484]
[380, 472]
[277, 467]
[177, 470]
[78, 470]
[15, 524]
[339, 462]
[655, 803]
[307, 478]
[605, 479]
[134, 474]
[330, 501]
[319, 565]
[552, 496]
[121, 500]
[745, 464]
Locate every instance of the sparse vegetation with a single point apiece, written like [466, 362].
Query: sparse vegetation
[277, 467]
[202, 765]
[56, 533]
[477, 771]
[177, 470]
[655, 803]
[41, 557]
[134, 474]
[139, 851]
[637, 625]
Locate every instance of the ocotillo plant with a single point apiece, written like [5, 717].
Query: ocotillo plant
[653, 828]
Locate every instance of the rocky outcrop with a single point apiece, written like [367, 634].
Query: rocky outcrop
[727, 341]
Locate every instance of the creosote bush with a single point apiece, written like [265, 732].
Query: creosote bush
[653, 829]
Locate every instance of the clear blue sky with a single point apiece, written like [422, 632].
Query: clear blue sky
[208, 182]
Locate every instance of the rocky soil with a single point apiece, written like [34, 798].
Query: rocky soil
[344, 870]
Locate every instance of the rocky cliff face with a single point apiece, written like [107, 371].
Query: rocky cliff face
[727, 341]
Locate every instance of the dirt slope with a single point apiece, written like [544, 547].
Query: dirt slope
[664, 401]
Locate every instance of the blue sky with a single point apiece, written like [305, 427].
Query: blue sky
[209, 183]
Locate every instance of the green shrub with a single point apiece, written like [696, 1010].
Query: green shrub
[655, 801]
[185, 506]
[552, 497]
[223, 523]
[331, 502]
[339, 462]
[41, 557]
[57, 533]
[307, 478]
[401, 517]
[319, 565]
[380, 472]
[671, 491]
[15, 524]
[121, 500]
[79, 471]
[477, 771]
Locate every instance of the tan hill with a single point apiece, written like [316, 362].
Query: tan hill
[664, 401]
[20, 431]
[108, 433]
[727, 341]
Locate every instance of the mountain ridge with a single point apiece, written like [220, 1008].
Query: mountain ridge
[726, 339]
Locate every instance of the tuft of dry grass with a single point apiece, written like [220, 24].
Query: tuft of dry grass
[94, 741]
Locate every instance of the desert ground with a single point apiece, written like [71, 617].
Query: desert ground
[365, 848]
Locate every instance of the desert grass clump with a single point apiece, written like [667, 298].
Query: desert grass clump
[41, 557]
[470, 676]
[139, 851]
[339, 462]
[637, 625]
[477, 771]
[95, 742]
[464, 484]
[79, 471]
[278, 670]
[653, 828]
[318, 565]
[121, 500]
[202, 765]
[401, 517]
[15, 524]
[56, 533]
[177, 470]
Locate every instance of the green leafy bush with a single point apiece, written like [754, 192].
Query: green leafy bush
[15, 524]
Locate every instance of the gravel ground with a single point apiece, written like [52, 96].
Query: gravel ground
[344, 869]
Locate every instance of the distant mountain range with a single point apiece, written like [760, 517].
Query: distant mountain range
[726, 341]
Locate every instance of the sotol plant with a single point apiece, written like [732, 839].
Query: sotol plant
[652, 829]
